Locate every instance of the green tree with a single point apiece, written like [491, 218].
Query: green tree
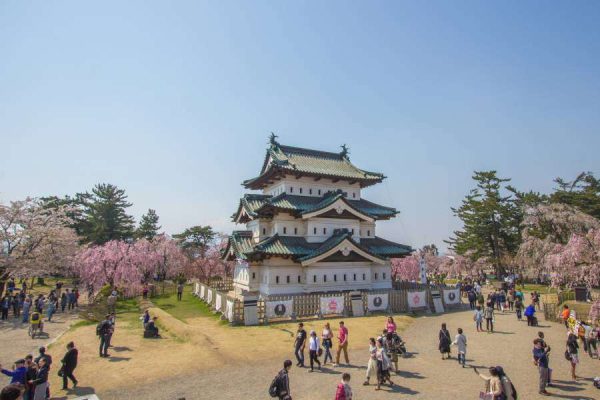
[104, 211]
[196, 240]
[490, 222]
[582, 193]
[148, 227]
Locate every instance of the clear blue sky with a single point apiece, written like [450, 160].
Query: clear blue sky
[174, 101]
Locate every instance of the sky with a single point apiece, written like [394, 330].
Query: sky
[174, 101]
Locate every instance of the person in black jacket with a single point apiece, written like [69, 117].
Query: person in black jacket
[69, 363]
[43, 355]
[40, 381]
[104, 330]
[283, 382]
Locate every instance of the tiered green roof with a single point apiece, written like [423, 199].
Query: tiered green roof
[281, 160]
[260, 205]
[241, 246]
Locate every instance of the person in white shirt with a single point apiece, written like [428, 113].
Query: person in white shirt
[460, 341]
[313, 348]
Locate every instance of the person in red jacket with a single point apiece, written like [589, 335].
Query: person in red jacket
[344, 392]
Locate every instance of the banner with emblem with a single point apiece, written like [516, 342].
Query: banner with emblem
[279, 308]
[332, 305]
[196, 289]
[229, 310]
[451, 296]
[377, 302]
[209, 296]
[417, 299]
[218, 301]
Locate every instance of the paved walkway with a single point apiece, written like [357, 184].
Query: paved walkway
[423, 376]
[16, 343]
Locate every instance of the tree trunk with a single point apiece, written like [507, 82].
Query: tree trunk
[32, 281]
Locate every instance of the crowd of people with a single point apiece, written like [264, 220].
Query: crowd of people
[30, 376]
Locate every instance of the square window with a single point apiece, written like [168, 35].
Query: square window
[284, 230]
[299, 280]
[287, 279]
[277, 279]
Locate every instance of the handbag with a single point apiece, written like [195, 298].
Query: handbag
[320, 352]
[61, 371]
[567, 355]
[486, 396]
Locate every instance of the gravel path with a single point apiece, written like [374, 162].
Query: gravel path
[423, 376]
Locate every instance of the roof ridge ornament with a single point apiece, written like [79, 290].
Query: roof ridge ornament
[345, 151]
[273, 139]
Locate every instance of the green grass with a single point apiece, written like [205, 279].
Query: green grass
[189, 306]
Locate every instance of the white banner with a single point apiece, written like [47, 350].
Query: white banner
[229, 311]
[280, 308]
[377, 302]
[332, 305]
[417, 299]
[209, 296]
[219, 302]
[452, 296]
[196, 288]
[202, 287]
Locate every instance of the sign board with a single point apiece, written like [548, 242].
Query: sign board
[437, 301]
[332, 305]
[423, 271]
[279, 308]
[417, 299]
[377, 302]
[451, 296]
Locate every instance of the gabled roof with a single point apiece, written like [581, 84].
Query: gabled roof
[281, 160]
[241, 245]
[265, 206]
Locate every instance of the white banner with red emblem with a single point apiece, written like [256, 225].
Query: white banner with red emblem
[332, 305]
[452, 296]
[417, 299]
[279, 308]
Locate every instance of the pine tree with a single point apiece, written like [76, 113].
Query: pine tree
[195, 240]
[490, 222]
[148, 227]
[582, 193]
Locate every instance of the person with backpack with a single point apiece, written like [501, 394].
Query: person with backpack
[299, 345]
[508, 389]
[280, 386]
[343, 391]
[572, 354]
[103, 330]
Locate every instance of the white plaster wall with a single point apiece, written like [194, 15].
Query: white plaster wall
[307, 186]
[330, 224]
[367, 229]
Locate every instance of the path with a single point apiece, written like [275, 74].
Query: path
[15, 342]
[423, 376]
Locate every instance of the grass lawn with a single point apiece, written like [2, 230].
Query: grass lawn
[189, 307]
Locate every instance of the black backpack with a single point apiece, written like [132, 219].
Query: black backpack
[101, 328]
[274, 388]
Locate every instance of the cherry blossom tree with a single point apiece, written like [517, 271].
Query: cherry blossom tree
[406, 268]
[34, 241]
[577, 262]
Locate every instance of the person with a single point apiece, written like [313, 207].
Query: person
[519, 307]
[63, 301]
[547, 349]
[444, 341]
[36, 321]
[5, 305]
[343, 391]
[151, 330]
[460, 340]
[282, 382]
[372, 363]
[111, 302]
[343, 344]
[511, 299]
[69, 363]
[593, 337]
[40, 303]
[530, 314]
[535, 296]
[103, 331]
[480, 299]
[383, 366]
[26, 308]
[11, 392]
[478, 318]
[179, 291]
[493, 383]
[572, 352]
[582, 333]
[72, 299]
[565, 314]
[30, 375]
[18, 374]
[391, 350]
[472, 296]
[145, 291]
[76, 297]
[41, 380]
[488, 314]
[326, 337]
[508, 389]
[50, 311]
[145, 318]
[390, 325]
[16, 305]
[501, 299]
[299, 345]
[540, 359]
[313, 350]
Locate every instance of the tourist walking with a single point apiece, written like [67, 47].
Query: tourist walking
[547, 349]
[390, 325]
[510, 297]
[26, 308]
[103, 330]
[179, 291]
[72, 299]
[488, 314]
[480, 300]
[540, 359]
[460, 340]
[444, 341]
[502, 300]
[372, 363]
[50, 311]
[69, 363]
[343, 391]
[493, 385]
[594, 335]
[565, 314]
[5, 306]
[472, 297]
[299, 345]
[280, 387]
[383, 366]
[391, 350]
[572, 354]
[519, 307]
[63, 302]
[478, 318]
[343, 344]
[313, 350]
[41, 380]
[326, 339]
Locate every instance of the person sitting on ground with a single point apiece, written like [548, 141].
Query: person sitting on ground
[530, 314]
[151, 330]
[146, 318]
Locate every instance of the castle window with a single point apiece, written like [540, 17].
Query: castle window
[344, 277]
[315, 230]
[309, 191]
[384, 275]
[334, 277]
[264, 231]
[284, 230]
[287, 279]
[352, 231]
[324, 278]
[300, 190]
[291, 189]
[314, 278]
[376, 275]
[324, 231]
[254, 275]
[353, 195]
[319, 192]
[364, 277]
[368, 233]
[277, 279]
[354, 276]
[299, 280]
[295, 231]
